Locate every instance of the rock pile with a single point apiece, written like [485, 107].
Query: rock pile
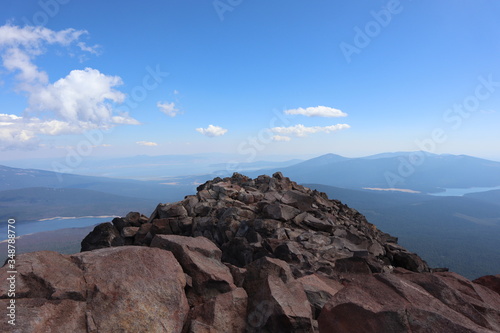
[267, 217]
[247, 255]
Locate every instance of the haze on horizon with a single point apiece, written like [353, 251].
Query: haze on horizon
[249, 78]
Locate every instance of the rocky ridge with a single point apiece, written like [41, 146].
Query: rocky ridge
[247, 255]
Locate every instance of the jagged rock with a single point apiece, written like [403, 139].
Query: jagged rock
[411, 302]
[277, 302]
[280, 212]
[133, 219]
[141, 237]
[490, 281]
[238, 214]
[200, 259]
[319, 291]
[400, 257]
[129, 231]
[222, 313]
[106, 290]
[352, 265]
[104, 235]
[317, 224]
[238, 274]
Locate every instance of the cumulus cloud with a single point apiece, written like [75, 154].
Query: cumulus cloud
[168, 108]
[147, 143]
[318, 111]
[303, 131]
[212, 131]
[13, 134]
[83, 95]
[81, 101]
[281, 138]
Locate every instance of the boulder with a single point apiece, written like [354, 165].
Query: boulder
[223, 313]
[129, 231]
[277, 302]
[319, 291]
[120, 289]
[104, 235]
[490, 281]
[281, 212]
[411, 302]
[201, 260]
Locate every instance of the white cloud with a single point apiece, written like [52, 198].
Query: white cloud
[90, 49]
[81, 101]
[168, 108]
[13, 133]
[20, 45]
[83, 95]
[212, 131]
[21, 132]
[318, 111]
[281, 138]
[303, 131]
[32, 38]
[16, 60]
[147, 143]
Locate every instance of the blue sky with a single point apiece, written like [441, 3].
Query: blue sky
[248, 78]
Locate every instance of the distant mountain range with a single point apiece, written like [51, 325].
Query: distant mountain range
[144, 167]
[15, 178]
[30, 194]
[417, 171]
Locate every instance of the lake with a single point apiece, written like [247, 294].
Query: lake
[24, 227]
[458, 192]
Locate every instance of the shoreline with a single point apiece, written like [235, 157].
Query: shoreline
[75, 217]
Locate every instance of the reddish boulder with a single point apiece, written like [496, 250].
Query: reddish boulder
[411, 302]
[277, 302]
[490, 281]
[108, 290]
[319, 291]
[200, 259]
[222, 313]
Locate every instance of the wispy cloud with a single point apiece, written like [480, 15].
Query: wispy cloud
[318, 111]
[147, 143]
[281, 138]
[303, 131]
[168, 108]
[212, 131]
[95, 49]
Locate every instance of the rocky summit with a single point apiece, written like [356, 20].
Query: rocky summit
[246, 255]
